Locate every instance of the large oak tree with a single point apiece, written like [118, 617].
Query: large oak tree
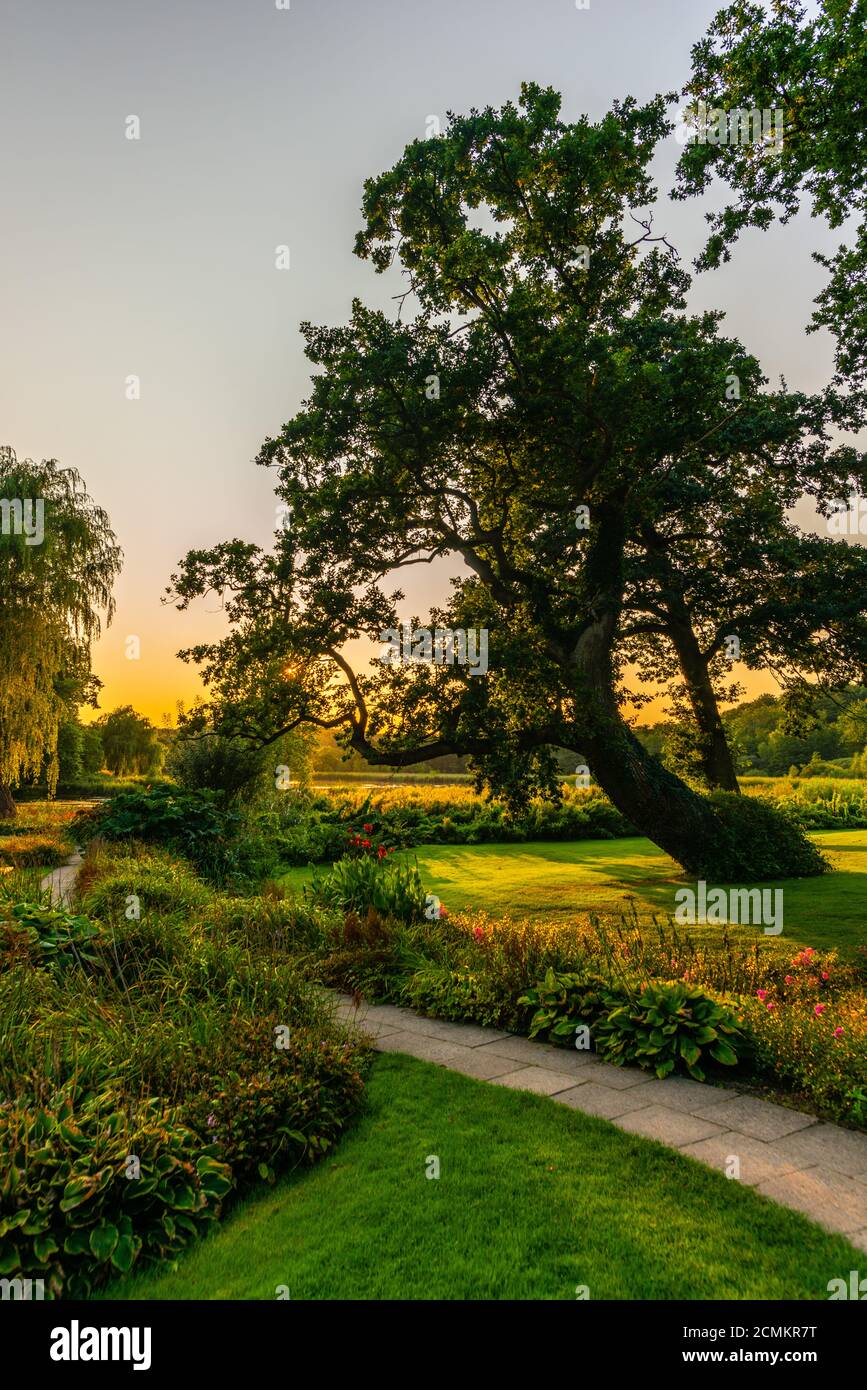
[541, 361]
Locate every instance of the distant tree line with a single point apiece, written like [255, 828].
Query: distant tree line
[767, 736]
[123, 743]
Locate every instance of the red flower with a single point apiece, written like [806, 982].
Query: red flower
[365, 844]
[367, 829]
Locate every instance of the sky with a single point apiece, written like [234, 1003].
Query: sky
[155, 257]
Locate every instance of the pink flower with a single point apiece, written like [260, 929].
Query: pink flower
[819, 1010]
[478, 933]
[761, 994]
[825, 975]
[790, 979]
[770, 1006]
[838, 1032]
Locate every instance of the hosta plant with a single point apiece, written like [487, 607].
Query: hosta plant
[564, 1000]
[671, 1027]
[86, 1189]
[47, 934]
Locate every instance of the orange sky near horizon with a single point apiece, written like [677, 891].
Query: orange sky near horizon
[155, 682]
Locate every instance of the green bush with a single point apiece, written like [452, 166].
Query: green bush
[45, 934]
[276, 923]
[208, 762]
[187, 1037]
[457, 994]
[313, 841]
[812, 1040]
[671, 1027]
[665, 1026]
[768, 840]
[825, 807]
[565, 1000]
[293, 1106]
[373, 971]
[160, 884]
[191, 822]
[354, 885]
[70, 1215]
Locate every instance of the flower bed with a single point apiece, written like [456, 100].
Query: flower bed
[795, 1021]
[154, 1064]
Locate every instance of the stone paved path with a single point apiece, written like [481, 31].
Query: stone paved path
[795, 1159]
[59, 883]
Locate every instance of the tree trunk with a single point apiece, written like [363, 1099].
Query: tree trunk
[658, 803]
[710, 842]
[716, 759]
[686, 825]
[8, 809]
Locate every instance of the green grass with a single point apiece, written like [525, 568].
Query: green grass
[533, 1199]
[551, 879]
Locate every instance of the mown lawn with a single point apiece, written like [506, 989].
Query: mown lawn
[550, 879]
[533, 1200]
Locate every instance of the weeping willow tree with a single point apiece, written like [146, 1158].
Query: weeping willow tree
[58, 561]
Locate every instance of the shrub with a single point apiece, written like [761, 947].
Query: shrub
[45, 934]
[768, 840]
[408, 816]
[161, 885]
[228, 766]
[562, 1002]
[162, 1041]
[276, 923]
[457, 994]
[292, 1107]
[373, 971]
[69, 1212]
[354, 885]
[671, 1026]
[811, 1033]
[822, 806]
[312, 842]
[189, 821]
